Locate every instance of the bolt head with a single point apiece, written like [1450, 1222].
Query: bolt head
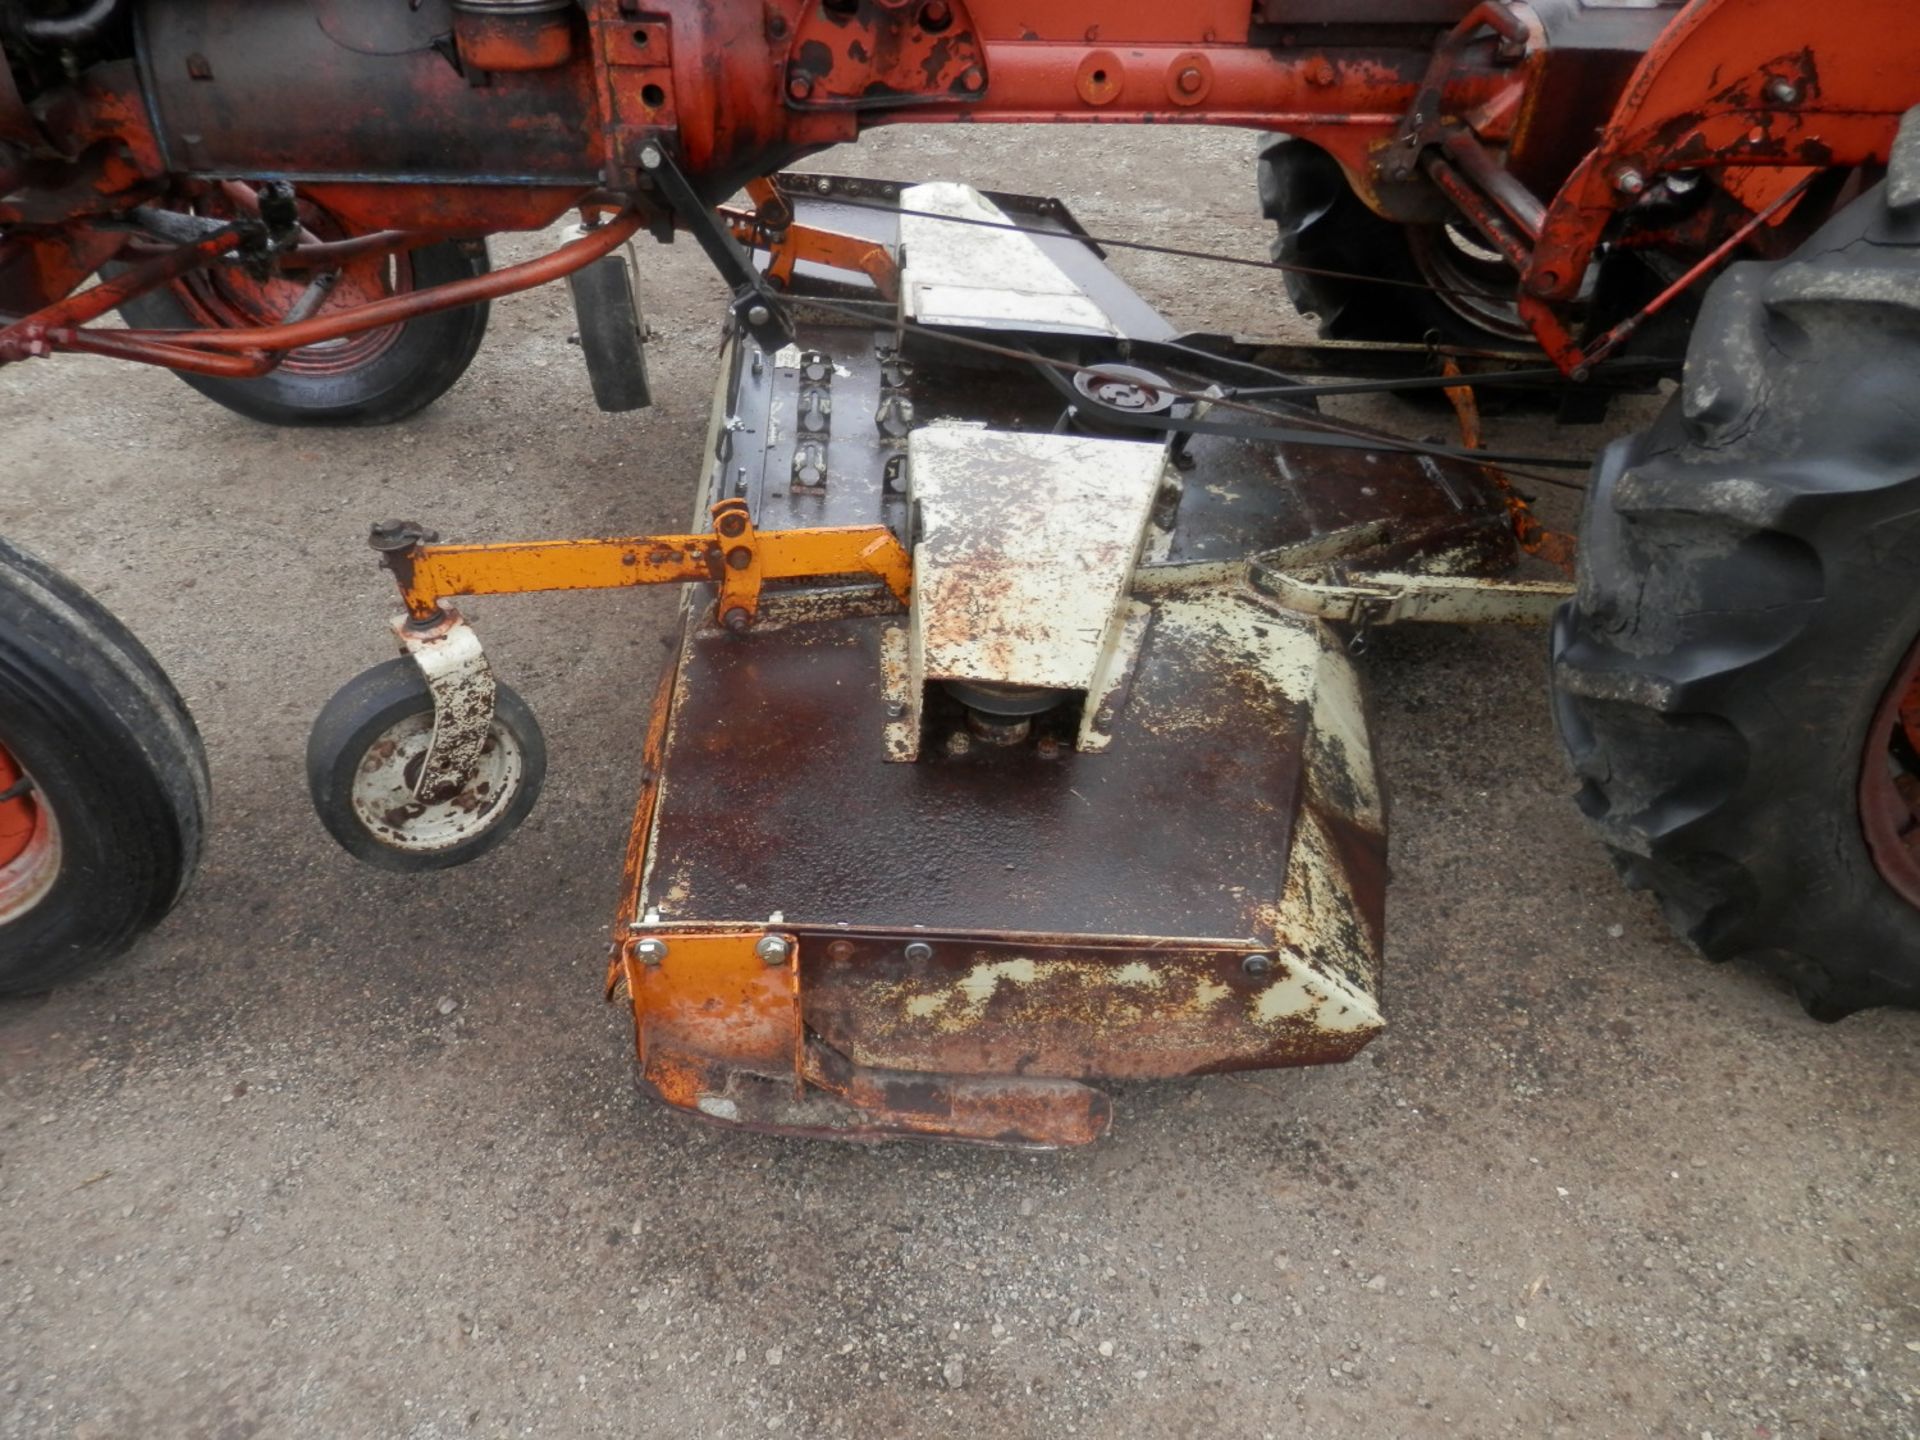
[774, 949]
[759, 315]
[1190, 80]
[800, 87]
[919, 952]
[959, 743]
[650, 157]
[1782, 91]
[738, 621]
[650, 952]
[1257, 964]
[971, 79]
[1629, 181]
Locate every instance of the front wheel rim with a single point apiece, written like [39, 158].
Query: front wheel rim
[226, 297]
[29, 841]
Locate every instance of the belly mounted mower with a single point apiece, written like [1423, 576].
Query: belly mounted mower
[1012, 741]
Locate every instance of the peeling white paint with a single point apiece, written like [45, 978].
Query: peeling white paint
[1027, 546]
[976, 276]
[1306, 994]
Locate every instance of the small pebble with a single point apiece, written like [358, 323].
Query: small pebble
[448, 1005]
[775, 1355]
[954, 1372]
[1378, 1282]
[1106, 1349]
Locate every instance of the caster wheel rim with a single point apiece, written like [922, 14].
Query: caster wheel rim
[383, 799]
[29, 842]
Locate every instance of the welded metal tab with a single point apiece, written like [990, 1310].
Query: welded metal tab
[974, 275]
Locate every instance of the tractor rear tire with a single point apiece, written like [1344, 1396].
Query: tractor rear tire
[1322, 225]
[1728, 678]
[372, 379]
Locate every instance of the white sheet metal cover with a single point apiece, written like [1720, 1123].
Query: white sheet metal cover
[974, 275]
[1027, 545]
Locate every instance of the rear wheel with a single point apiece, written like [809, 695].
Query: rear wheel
[1432, 280]
[103, 783]
[367, 379]
[1735, 681]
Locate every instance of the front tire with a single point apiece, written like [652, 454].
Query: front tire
[104, 777]
[1728, 678]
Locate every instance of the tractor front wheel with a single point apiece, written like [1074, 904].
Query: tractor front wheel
[1362, 277]
[103, 783]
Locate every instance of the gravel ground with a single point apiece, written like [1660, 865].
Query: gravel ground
[339, 1153]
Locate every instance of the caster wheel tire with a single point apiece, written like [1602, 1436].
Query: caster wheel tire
[364, 758]
[103, 782]
[372, 378]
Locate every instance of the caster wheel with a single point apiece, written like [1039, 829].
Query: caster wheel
[364, 757]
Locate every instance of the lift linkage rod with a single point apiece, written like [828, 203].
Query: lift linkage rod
[734, 557]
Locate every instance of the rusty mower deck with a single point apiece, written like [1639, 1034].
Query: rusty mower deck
[1012, 742]
[1092, 806]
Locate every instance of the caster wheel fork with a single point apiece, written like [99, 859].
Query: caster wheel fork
[427, 761]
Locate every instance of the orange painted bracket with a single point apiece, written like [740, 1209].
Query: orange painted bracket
[1740, 83]
[715, 995]
[791, 243]
[733, 556]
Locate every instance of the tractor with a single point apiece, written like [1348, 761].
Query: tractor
[1013, 740]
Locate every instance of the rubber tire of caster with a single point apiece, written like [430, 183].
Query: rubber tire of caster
[430, 354]
[364, 796]
[1747, 592]
[119, 776]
